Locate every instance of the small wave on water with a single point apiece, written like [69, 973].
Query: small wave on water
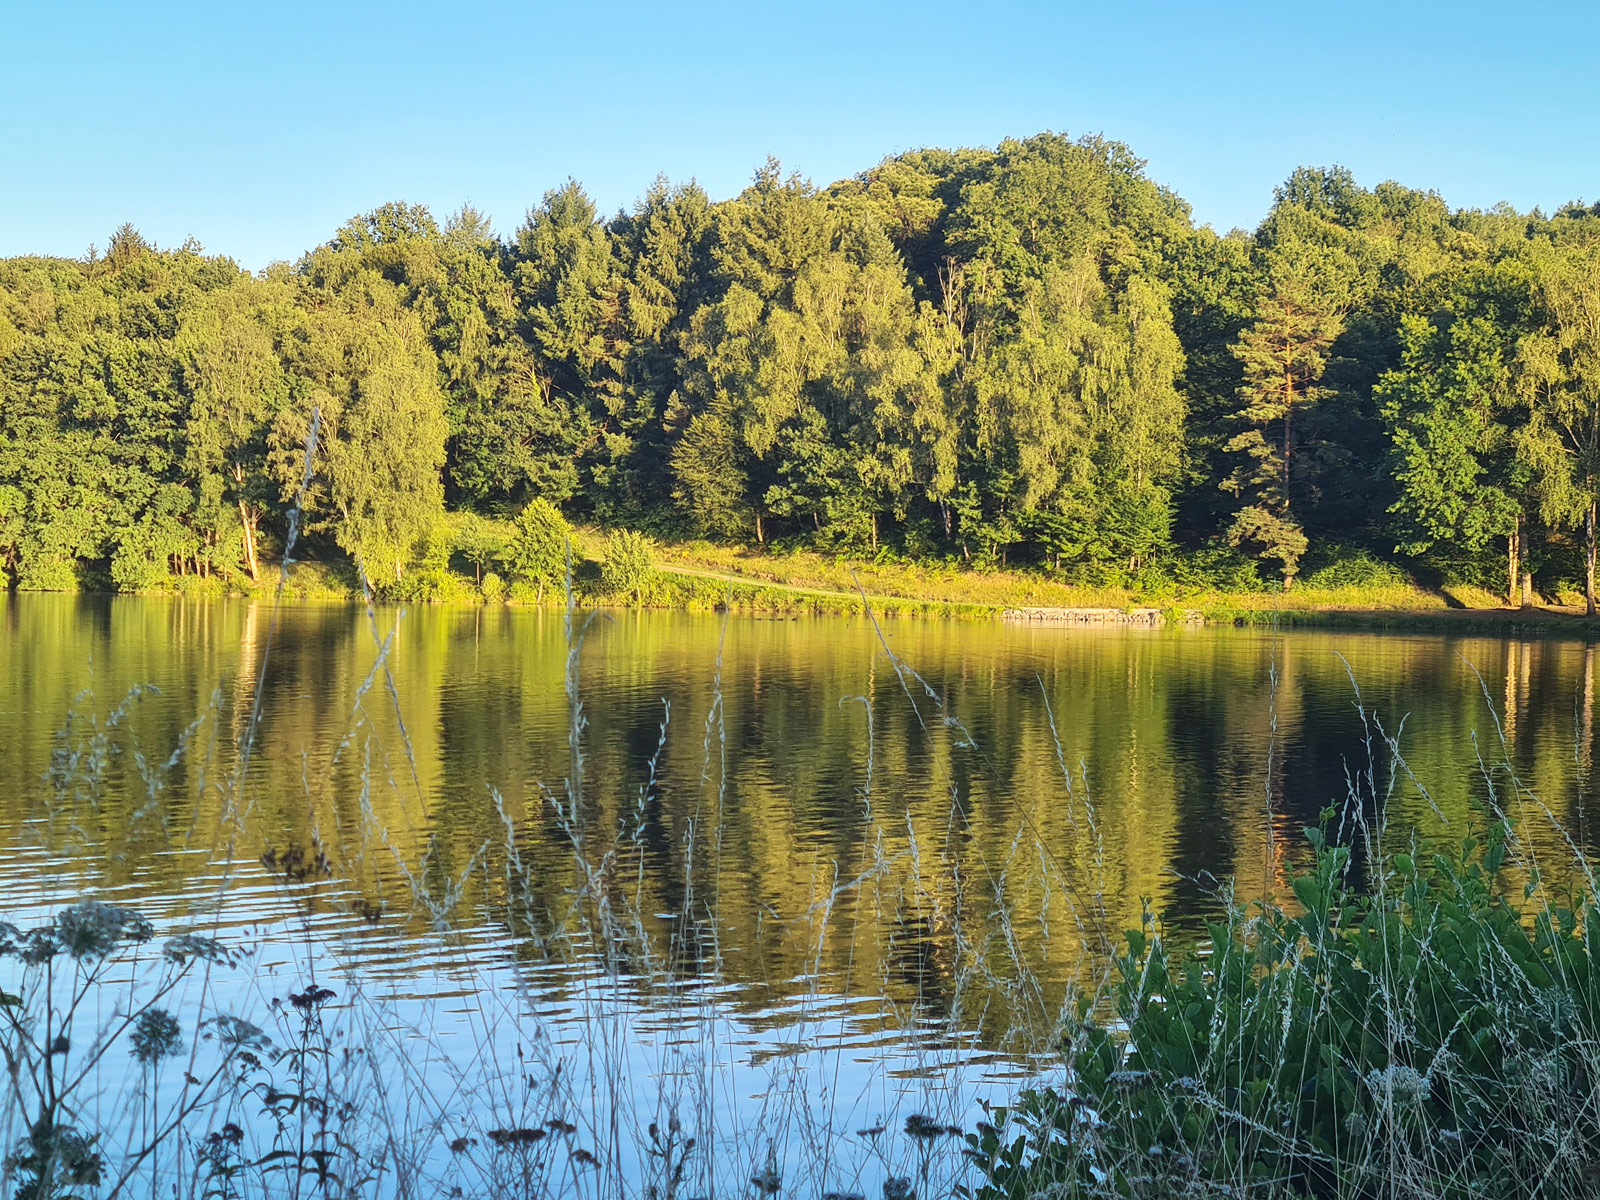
[776, 919]
[458, 1030]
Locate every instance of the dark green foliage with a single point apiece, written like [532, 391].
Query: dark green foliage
[1027, 354]
[1423, 1031]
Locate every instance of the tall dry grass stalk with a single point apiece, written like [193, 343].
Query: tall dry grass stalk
[1395, 1027]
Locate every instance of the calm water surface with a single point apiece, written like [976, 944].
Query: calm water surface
[820, 854]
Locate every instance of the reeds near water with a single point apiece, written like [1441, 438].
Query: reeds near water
[138, 1064]
[1393, 1023]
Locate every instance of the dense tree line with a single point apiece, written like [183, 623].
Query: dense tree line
[1025, 355]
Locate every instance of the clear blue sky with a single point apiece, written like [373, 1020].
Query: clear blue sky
[259, 127]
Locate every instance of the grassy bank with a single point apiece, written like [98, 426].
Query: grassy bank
[804, 578]
[707, 577]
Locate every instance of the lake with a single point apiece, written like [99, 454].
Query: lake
[770, 876]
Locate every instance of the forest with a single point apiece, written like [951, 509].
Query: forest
[1026, 356]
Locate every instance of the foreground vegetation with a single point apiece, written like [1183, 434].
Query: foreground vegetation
[1024, 356]
[1392, 1017]
[1416, 1034]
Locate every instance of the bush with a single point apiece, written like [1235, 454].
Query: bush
[1215, 568]
[139, 563]
[430, 585]
[524, 593]
[1424, 1034]
[428, 577]
[479, 540]
[133, 571]
[1350, 567]
[538, 550]
[43, 572]
[493, 588]
[628, 564]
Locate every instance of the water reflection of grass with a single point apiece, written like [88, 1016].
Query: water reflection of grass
[329, 1087]
[1393, 1024]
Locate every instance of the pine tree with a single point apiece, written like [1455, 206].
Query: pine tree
[1283, 355]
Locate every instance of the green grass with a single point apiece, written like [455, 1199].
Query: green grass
[1414, 1034]
[698, 576]
[921, 589]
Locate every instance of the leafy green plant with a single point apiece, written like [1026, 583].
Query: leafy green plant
[538, 550]
[628, 564]
[1350, 567]
[1426, 1032]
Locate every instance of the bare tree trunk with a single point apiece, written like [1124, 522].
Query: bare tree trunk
[1522, 565]
[247, 521]
[760, 540]
[1288, 409]
[1588, 560]
[1511, 563]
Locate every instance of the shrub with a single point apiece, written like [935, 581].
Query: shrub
[430, 585]
[1426, 1034]
[493, 587]
[1351, 567]
[1220, 568]
[538, 550]
[42, 571]
[428, 577]
[135, 567]
[628, 564]
[479, 540]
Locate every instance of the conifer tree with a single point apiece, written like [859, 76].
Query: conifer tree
[1283, 355]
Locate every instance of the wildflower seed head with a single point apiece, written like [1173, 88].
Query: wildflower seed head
[90, 929]
[156, 1035]
[1404, 1085]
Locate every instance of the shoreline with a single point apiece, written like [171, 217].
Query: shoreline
[699, 577]
[770, 598]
